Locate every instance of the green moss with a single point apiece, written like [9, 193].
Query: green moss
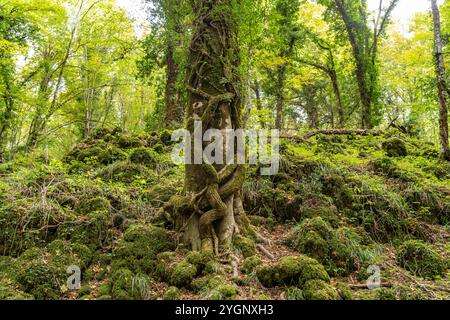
[214, 287]
[395, 147]
[223, 292]
[10, 291]
[344, 291]
[122, 288]
[245, 245]
[183, 274]
[198, 259]
[141, 156]
[419, 258]
[123, 172]
[385, 294]
[250, 264]
[92, 230]
[111, 155]
[139, 248]
[105, 289]
[294, 293]
[165, 265]
[319, 290]
[85, 290]
[291, 270]
[317, 239]
[171, 294]
[42, 272]
[94, 204]
[128, 142]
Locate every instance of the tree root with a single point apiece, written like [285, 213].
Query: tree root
[265, 251]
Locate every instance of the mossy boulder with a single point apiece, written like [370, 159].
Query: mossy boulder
[43, 272]
[291, 270]
[93, 204]
[110, 155]
[317, 239]
[215, 287]
[183, 274]
[250, 264]
[245, 245]
[172, 293]
[94, 229]
[419, 258]
[395, 147]
[302, 272]
[139, 248]
[141, 156]
[123, 171]
[175, 272]
[319, 290]
[122, 284]
[129, 142]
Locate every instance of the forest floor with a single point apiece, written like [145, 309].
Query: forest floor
[341, 209]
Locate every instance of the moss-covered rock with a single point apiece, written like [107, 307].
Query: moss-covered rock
[395, 147]
[93, 229]
[93, 204]
[183, 274]
[319, 290]
[344, 291]
[317, 239]
[172, 293]
[122, 288]
[139, 248]
[245, 245]
[43, 272]
[141, 156]
[291, 270]
[250, 264]
[419, 258]
[215, 287]
[123, 172]
[110, 155]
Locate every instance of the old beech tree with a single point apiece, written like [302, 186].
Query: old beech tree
[210, 213]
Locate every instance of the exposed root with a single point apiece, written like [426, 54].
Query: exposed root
[265, 251]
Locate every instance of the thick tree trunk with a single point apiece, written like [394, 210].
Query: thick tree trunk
[442, 87]
[215, 98]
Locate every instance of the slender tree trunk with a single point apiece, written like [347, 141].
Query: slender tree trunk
[215, 98]
[440, 73]
[6, 121]
[361, 65]
[281, 74]
[337, 94]
[258, 101]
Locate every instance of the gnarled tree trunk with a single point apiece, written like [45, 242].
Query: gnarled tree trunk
[214, 97]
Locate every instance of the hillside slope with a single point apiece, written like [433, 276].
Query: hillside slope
[341, 207]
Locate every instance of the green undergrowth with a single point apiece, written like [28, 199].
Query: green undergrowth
[348, 202]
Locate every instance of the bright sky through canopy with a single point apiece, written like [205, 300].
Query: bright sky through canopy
[404, 11]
